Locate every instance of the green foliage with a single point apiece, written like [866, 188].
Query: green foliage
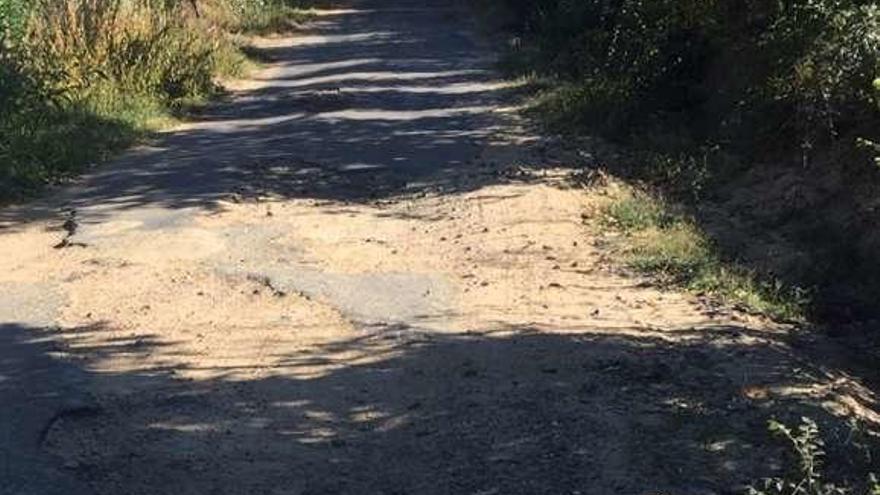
[808, 447]
[807, 478]
[36, 148]
[733, 70]
[871, 147]
[638, 211]
[873, 484]
[13, 19]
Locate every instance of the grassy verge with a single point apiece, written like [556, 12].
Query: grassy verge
[59, 141]
[660, 241]
[83, 79]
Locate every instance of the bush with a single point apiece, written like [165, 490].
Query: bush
[732, 68]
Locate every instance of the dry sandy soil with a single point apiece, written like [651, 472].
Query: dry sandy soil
[366, 330]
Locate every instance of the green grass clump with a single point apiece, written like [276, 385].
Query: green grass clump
[638, 211]
[674, 251]
[13, 19]
[36, 150]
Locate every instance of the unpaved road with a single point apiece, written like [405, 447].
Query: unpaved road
[348, 279]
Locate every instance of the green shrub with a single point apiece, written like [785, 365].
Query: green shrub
[732, 69]
[808, 477]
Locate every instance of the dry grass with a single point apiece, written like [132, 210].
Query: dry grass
[103, 72]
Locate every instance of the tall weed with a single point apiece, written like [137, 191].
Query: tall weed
[84, 45]
[81, 78]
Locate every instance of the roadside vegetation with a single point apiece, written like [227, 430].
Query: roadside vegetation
[808, 474]
[759, 118]
[80, 79]
[662, 241]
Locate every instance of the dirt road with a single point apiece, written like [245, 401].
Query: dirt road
[361, 275]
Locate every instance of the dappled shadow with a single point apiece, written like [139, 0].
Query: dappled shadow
[504, 411]
[34, 389]
[390, 97]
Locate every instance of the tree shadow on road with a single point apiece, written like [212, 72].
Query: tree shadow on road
[503, 411]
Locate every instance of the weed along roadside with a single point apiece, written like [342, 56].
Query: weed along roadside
[674, 250]
[81, 80]
[349, 260]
